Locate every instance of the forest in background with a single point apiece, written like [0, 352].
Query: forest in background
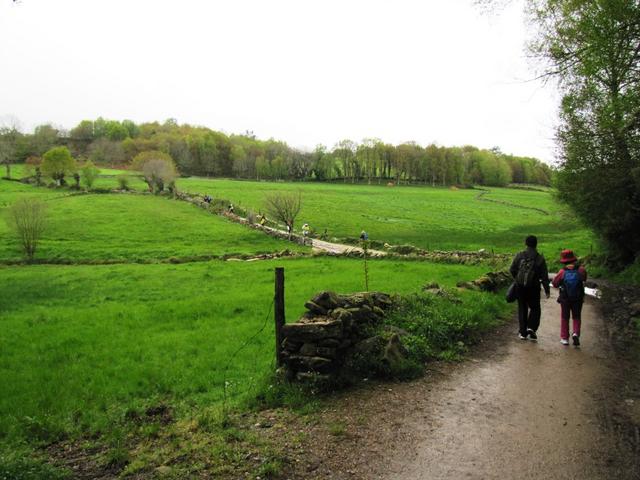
[201, 151]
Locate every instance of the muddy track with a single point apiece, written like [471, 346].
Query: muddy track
[516, 410]
[483, 192]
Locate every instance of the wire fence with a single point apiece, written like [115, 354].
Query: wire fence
[235, 388]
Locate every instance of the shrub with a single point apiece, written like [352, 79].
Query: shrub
[89, 173]
[58, 163]
[27, 217]
[442, 325]
[123, 181]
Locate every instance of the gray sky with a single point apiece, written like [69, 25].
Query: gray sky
[305, 72]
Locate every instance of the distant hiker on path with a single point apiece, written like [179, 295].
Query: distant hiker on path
[364, 236]
[529, 270]
[306, 229]
[570, 279]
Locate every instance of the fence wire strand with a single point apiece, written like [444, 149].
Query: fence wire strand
[232, 358]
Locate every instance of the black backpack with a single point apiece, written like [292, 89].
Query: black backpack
[527, 275]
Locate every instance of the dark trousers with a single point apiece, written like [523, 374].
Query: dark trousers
[528, 309]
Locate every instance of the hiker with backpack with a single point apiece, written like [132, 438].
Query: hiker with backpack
[570, 280]
[529, 270]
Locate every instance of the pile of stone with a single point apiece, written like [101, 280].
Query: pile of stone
[334, 328]
[489, 282]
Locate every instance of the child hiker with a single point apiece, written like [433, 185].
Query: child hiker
[570, 279]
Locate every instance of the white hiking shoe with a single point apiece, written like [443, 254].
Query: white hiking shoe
[564, 341]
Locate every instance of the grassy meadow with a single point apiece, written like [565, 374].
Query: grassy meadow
[86, 347]
[82, 345]
[129, 228]
[431, 218]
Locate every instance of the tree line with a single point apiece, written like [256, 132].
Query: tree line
[201, 151]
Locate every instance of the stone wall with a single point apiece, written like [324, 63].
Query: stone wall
[335, 333]
[489, 282]
[219, 206]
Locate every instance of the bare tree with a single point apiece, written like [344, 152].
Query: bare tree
[159, 173]
[158, 170]
[284, 207]
[27, 217]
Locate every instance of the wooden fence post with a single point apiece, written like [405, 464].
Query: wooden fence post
[278, 305]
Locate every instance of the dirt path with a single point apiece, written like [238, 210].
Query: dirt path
[515, 410]
[532, 411]
[340, 249]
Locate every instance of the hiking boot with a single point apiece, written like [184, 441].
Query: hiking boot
[564, 341]
[532, 335]
[576, 340]
[522, 337]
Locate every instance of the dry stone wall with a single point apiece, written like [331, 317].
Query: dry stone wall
[335, 333]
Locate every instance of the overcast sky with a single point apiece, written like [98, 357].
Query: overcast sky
[302, 71]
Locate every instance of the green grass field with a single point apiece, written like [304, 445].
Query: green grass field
[427, 217]
[82, 346]
[432, 218]
[126, 228]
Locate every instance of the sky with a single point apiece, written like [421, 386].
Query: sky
[304, 71]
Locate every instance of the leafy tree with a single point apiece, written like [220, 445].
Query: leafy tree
[106, 152]
[158, 169]
[83, 131]
[58, 163]
[132, 129]
[27, 217]
[8, 148]
[593, 50]
[44, 138]
[32, 167]
[284, 207]
[240, 161]
[89, 173]
[115, 131]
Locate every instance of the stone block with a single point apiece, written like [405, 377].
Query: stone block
[315, 308]
[326, 352]
[308, 349]
[315, 331]
[310, 377]
[329, 343]
[328, 300]
[290, 346]
[301, 363]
